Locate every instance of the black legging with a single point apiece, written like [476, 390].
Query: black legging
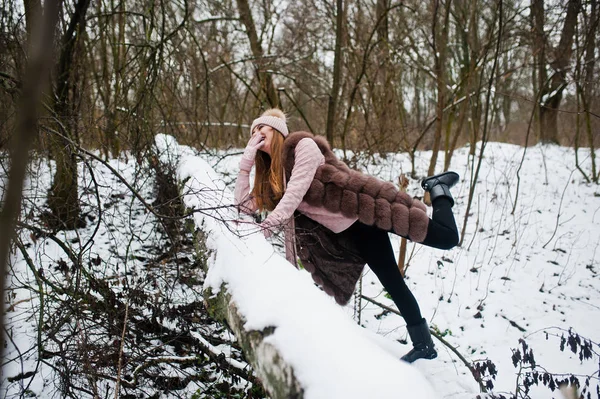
[375, 247]
[441, 231]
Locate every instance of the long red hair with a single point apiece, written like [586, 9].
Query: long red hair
[268, 180]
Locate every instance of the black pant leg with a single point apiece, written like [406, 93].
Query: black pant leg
[441, 231]
[375, 247]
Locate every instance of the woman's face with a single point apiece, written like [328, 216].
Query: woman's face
[267, 133]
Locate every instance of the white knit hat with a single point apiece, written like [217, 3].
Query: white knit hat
[273, 121]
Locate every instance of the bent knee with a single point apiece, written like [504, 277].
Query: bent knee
[453, 240]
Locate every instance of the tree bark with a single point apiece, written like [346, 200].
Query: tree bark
[264, 78]
[109, 74]
[38, 67]
[385, 74]
[539, 54]
[590, 63]
[276, 375]
[439, 49]
[590, 46]
[475, 82]
[119, 60]
[465, 29]
[486, 119]
[337, 71]
[63, 198]
[33, 15]
[552, 91]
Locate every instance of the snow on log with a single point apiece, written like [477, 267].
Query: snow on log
[275, 374]
[299, 341]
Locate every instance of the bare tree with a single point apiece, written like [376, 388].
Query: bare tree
[32, 15]
[466, 13]
[552, 87]
[439, 46]
[340, 18]
[129, 70]
[109, 72]
[63, 197]
[40, 56]
[265, 78]
[387, 106]
[499, 16]
[588, 86]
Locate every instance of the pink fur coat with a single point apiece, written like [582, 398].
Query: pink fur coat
[341, 189]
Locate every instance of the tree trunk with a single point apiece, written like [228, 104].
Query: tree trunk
[105, 74]
[32, 15]
[486, 119]
[116, 77]
[384, 101]
[505, 83]
[40, 58]
[470, 49]
[590, 63]
[590, 46]
[474, 82]
[264, 78]
[63, 198]
[552, 92]
[540, 76]
[337, 71]
[439, 49]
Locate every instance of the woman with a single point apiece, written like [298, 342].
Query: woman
[338, 219]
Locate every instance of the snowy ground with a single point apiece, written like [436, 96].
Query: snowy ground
[531, 273]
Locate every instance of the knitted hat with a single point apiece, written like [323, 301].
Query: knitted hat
[274, 118]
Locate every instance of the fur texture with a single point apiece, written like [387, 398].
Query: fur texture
[331, 259]
[341, 189]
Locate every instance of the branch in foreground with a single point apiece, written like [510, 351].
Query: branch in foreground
[40, 51]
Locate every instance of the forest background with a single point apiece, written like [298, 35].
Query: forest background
[104, 77]
[375, 76]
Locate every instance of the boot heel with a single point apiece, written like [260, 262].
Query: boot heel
[447, 178]
[423, 347]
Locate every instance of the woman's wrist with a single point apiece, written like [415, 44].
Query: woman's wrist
[246, 164]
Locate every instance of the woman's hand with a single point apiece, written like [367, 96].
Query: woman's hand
[267, 229]
[256, 141]
[251, 227]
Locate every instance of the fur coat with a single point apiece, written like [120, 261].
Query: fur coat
[331, 258]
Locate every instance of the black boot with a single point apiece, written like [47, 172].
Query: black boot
[423, 347]
[439, 185]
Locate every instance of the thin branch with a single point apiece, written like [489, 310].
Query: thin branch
[120, 364]
[214, 19]
[562, 197]
[209, 124]
[439, 337]
[304, 118]
[537, 101]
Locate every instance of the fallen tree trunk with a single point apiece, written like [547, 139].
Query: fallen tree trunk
[276, 375]
[299, 342]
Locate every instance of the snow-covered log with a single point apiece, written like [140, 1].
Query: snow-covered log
[275, 374]
[300, 342]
